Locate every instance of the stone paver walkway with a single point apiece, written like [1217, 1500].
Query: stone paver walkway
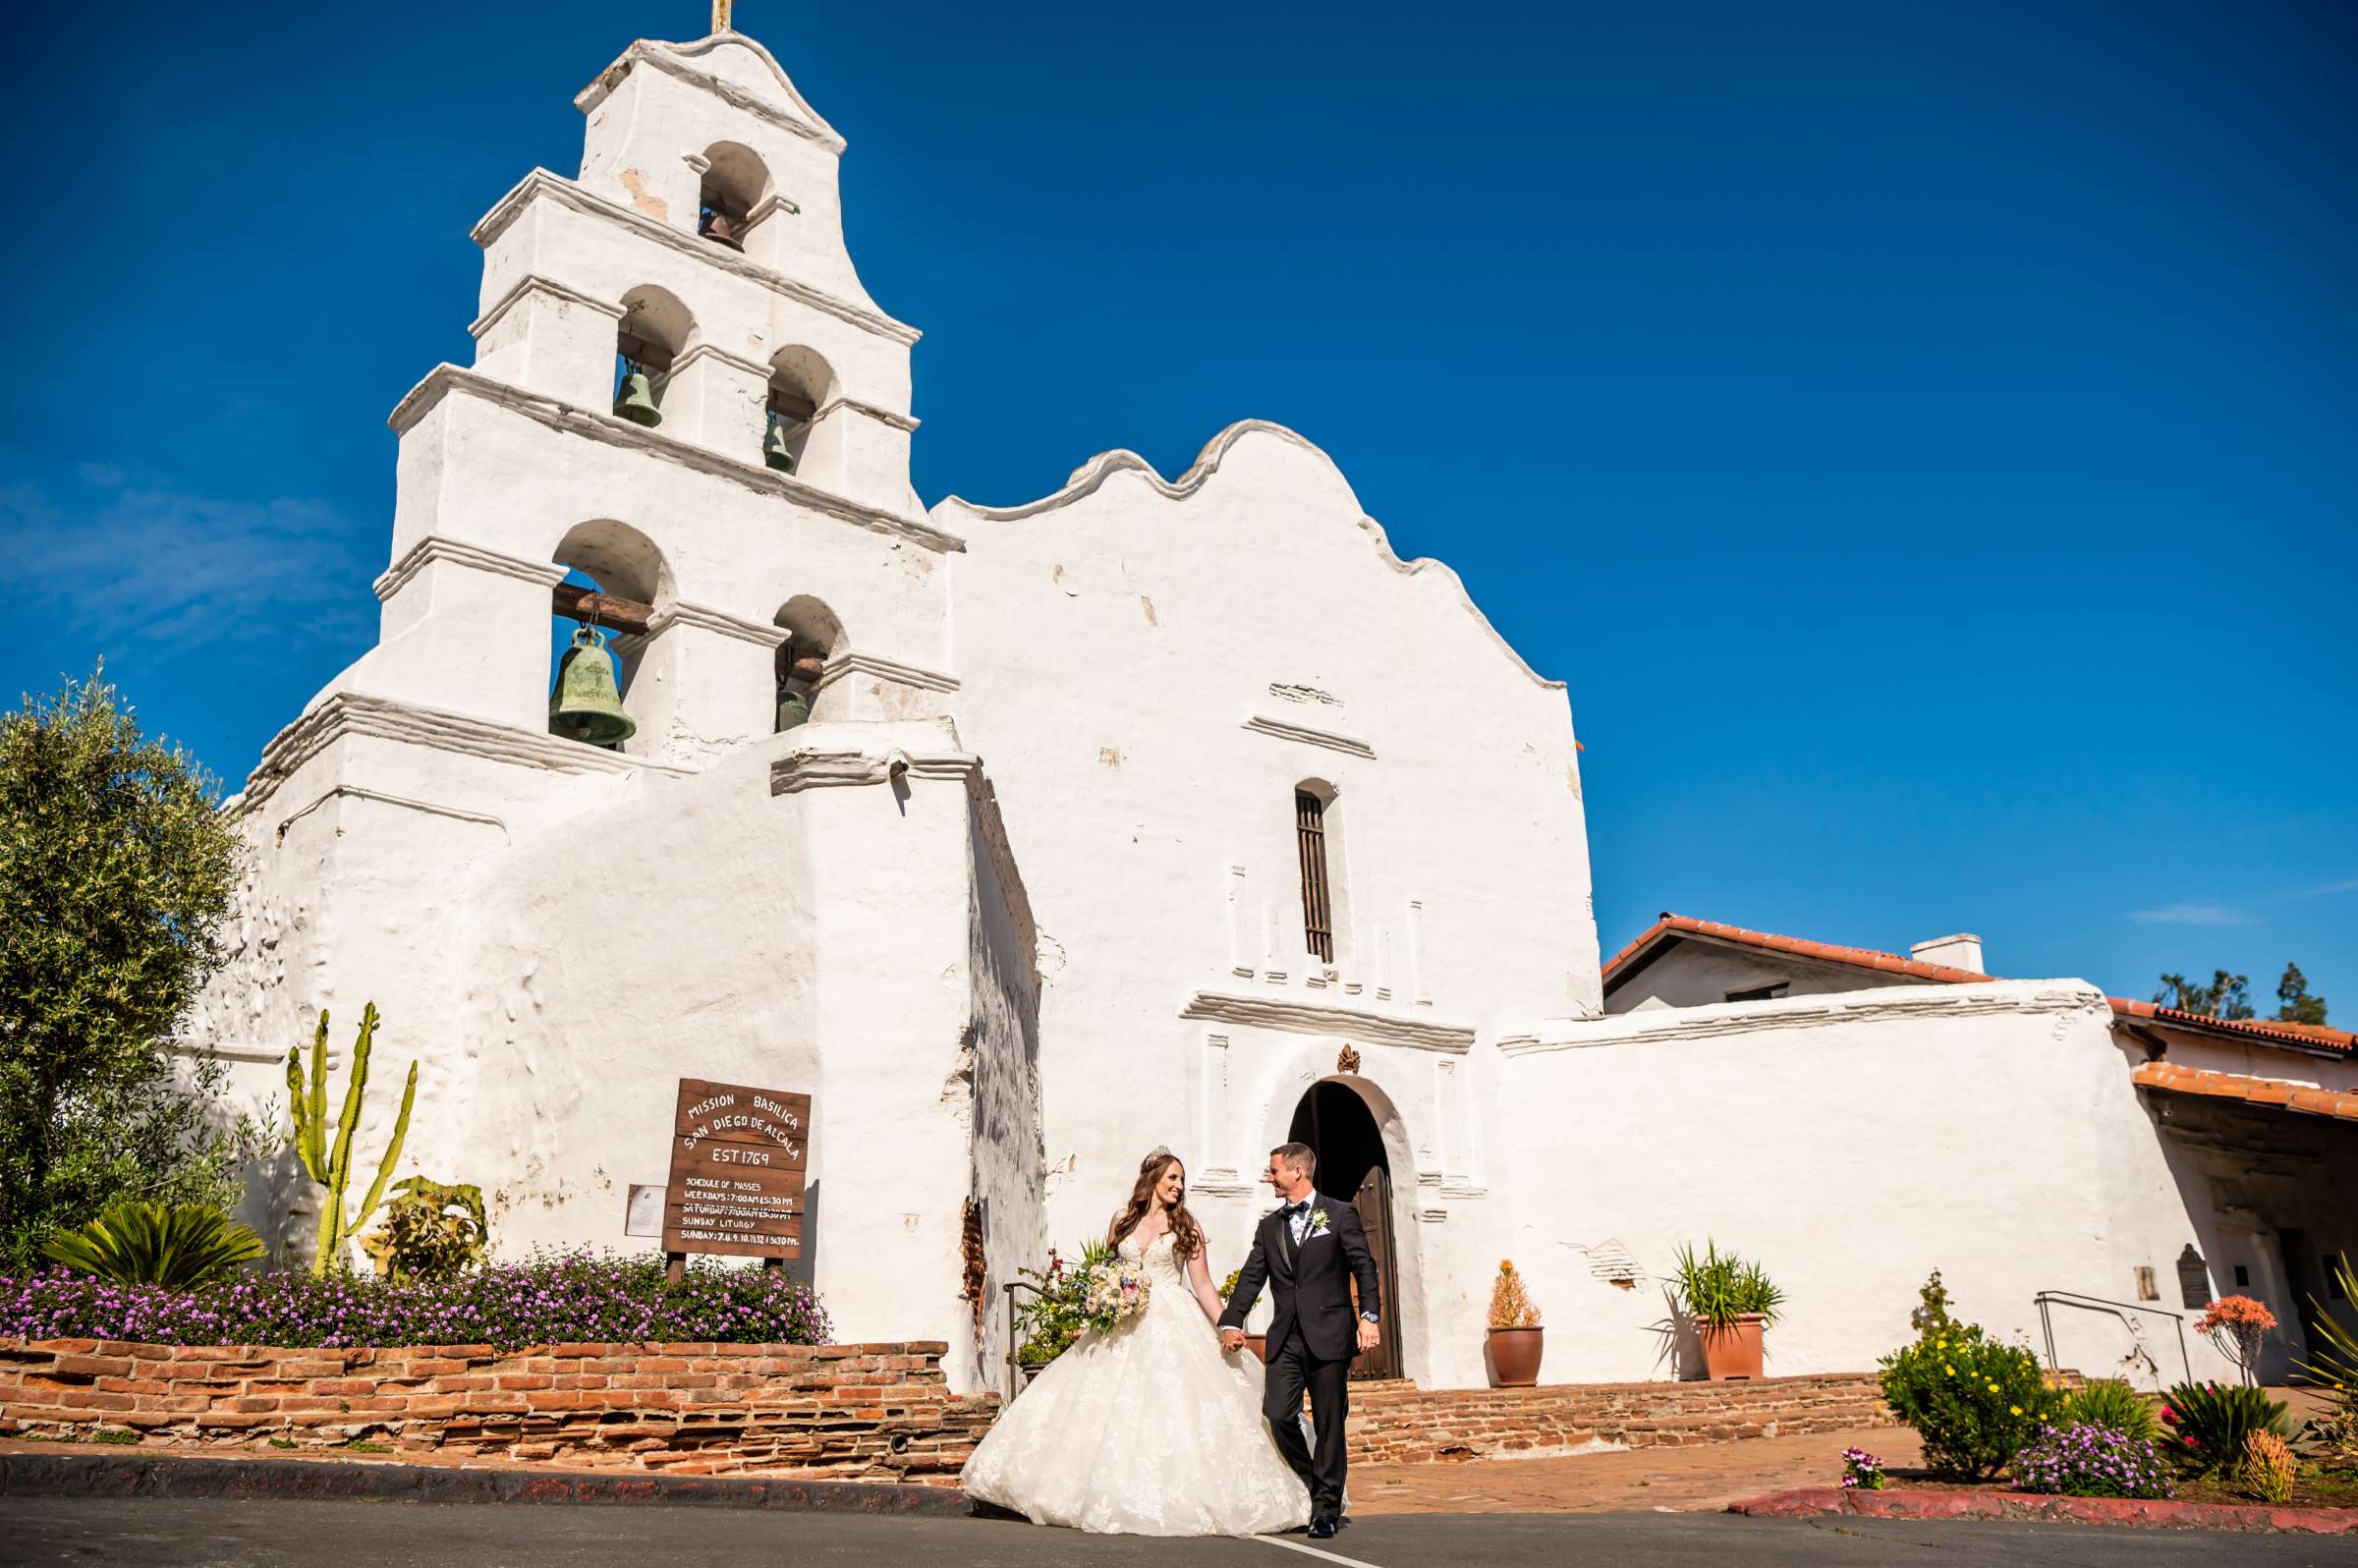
[1701, 1478]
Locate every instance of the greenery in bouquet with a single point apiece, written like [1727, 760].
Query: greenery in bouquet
[1054, 1318]
[1117, 1293]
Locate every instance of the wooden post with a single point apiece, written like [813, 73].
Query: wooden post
[675, 1267]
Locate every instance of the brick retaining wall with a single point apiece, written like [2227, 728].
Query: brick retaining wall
[877, 1412]
[1398, 1423]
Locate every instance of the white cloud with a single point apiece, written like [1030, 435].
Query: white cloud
[118, 558]
[2188, 914]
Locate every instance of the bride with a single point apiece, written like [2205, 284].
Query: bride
[1151, 1428]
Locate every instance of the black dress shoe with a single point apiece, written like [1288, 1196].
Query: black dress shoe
[1322, 1528]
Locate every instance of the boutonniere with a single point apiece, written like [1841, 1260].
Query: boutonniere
[1318, 1223]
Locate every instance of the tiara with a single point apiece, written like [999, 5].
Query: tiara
[1159, 1151]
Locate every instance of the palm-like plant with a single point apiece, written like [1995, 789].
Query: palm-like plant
[1720, 1287]
[157, 1244]
[2334, 1346]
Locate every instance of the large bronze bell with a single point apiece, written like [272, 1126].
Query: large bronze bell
[637, 402]
[774, 450]
[584, 706]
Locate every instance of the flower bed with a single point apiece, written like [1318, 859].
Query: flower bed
[548, 1299]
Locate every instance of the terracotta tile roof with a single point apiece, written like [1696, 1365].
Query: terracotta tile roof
[2309, 1036]
[1671, 927]
[2300, 1098]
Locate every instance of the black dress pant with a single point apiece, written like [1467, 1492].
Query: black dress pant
[1293, 1369]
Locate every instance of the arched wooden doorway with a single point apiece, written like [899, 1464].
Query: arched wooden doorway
[1335, 1122]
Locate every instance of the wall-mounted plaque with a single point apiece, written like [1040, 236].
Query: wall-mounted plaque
[737, 1156]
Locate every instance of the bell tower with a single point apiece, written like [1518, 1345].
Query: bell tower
[681, 389]
[707, 208]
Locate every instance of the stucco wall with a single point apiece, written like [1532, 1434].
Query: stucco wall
[1153, 668]
[1851, 1144]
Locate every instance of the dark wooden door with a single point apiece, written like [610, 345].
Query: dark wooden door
[1373, 1202]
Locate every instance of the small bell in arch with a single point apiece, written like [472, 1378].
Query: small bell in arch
[774, 450]
[637, 400]
[584, 705]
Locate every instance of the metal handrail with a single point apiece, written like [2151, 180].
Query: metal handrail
[1015, 1385]
[2115, 1308]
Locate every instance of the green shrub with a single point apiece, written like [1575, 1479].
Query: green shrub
[430, 1232]
[1974, 1402]
[1718, 1289]
[177, 1245]
[2110, 1403]
[117, 866]
[2210, 1423]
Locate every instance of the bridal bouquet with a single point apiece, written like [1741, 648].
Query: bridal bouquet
[1117, 1293]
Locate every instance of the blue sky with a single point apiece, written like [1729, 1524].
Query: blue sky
[1921, 437]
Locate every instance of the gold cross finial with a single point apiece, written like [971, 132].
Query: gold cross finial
[721, 15]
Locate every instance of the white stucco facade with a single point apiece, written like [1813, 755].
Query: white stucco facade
[1025, 896]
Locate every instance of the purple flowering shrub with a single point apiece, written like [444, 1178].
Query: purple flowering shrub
[2081, 1459]
[549, 1298]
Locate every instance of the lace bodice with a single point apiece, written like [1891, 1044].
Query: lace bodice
[1162, 1265]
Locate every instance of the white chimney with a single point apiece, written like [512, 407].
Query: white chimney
[1961, 951]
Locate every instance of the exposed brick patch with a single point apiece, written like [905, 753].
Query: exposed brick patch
[1397, 1423]
[1894, 1503]
[877, 1412]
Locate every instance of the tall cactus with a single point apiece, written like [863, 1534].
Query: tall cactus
[332, 1167]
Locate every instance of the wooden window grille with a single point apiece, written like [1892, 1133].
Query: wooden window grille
[1318, 910]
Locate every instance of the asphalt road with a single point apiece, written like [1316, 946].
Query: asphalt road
[301, 1534]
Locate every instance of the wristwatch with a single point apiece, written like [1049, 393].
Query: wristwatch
[1370, 1317]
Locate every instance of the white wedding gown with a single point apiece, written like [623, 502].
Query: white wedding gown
[1152, 1430]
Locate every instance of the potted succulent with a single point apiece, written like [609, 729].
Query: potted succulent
[1259, 1344]
[1731, 1302]
[1515, 1332]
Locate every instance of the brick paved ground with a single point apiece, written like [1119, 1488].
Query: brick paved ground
[1703, 1477]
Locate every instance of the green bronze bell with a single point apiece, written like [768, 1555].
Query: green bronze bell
[793, 710]
[637, 403]
[774, 451]
[584, 706]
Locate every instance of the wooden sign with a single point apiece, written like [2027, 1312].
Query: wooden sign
[738, 1157]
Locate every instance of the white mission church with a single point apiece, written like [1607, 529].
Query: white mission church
[1026, 838]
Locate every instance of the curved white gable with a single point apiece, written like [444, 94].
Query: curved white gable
[1093, 475]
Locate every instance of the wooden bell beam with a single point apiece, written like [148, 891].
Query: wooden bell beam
[581, 604]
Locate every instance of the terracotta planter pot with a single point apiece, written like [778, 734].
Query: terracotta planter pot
[1732, 1353]
[1259, 1345]
[1515, 1357]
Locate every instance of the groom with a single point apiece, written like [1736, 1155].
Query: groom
[1308, 1252]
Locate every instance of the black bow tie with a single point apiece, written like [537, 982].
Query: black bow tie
[1291, 1209]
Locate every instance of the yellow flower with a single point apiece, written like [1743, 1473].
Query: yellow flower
[2014, 1409]
[1951, 1371]
[1993, 1388]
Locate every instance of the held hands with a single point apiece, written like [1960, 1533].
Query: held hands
[1232, 1339]
[1368, 1338]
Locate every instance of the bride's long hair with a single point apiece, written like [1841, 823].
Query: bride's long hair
[1187, 1237]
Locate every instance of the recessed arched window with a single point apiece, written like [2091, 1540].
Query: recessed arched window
[812, 635]
[734, 181]
[800, 383]
[614, 579]
[1317, 890]
[654, 327]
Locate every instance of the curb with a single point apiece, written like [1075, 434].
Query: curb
[169, 1475]
[1890, 1504]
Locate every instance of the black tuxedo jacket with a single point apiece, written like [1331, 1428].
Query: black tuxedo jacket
[1311, 1284]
